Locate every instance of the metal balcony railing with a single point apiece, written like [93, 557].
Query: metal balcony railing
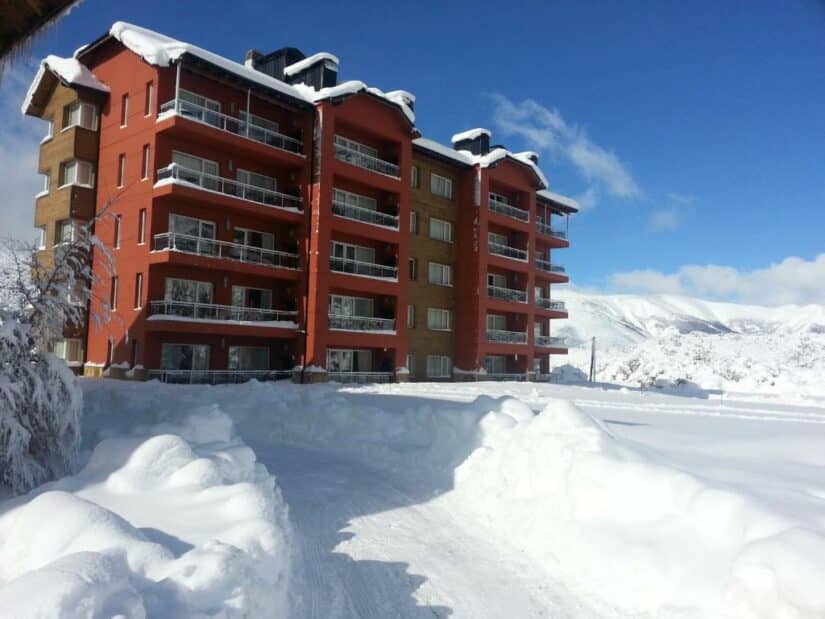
[368, 162]
[358, 213]
[229, 187]
[230, 124]
[546, 265]
[507, 251]
[216, 377]
[557, 306]
[544, 228]
[360, 377]
[356, 267]
[507, 337]
[509, 210]
[501, 376]
[174, 241]
[360, 323]
[548, 341]
[508, 294]
[211, 311]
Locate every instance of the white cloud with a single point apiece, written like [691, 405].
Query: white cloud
[672, 215]
[19, 149]
[546, 130]
[792, 281]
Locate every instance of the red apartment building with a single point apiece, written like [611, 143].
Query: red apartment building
[266, 220]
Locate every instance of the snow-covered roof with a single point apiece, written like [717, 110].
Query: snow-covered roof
[297, 67]
[470, 134]
[444, 151]
[67, 70]
[162, 51]
[558, 198]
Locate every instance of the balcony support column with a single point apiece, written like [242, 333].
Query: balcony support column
[177, 86]
[248, 101]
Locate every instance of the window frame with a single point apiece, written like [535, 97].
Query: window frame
[435, 180]
[124, 110]
[445, 366]
[141, 227]
[116, 237]
[411, 316]
[113, 293]
[438, 317]
[80, 106]
[149, 99]
[444, 268]
[121, 170]
[446, 225]
[415, 176]
[76, 164]
[145, 164]
[138, 300]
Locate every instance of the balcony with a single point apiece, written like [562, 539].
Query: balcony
[199, 246]
[508, 251]
[545, 265]
[228, 187]
[546, 341]
[506, 337]
[556, 306]
[506, 294]
[223, 313]
[358, 213]
[232, 125]
[366, 269]
[546, 229]
[360, 377]
[345, 322]
[508, 210]
[217, 377]
[503, 376]
[368, 162]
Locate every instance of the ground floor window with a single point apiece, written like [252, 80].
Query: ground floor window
[248, 358]
[70, 350]
[342, 360]
[439, 366]
[411, 364]
[184, 357]
[495, 364]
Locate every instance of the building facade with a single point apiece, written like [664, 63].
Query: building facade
[266, 220]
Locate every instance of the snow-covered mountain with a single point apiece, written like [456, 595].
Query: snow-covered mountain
[665, 340]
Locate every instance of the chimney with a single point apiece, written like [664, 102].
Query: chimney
[477, 141]
[319, 71]
[274, 63]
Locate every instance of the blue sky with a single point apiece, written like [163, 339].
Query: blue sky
[694, 132]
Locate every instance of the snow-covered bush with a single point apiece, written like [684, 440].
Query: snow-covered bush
[40, 400]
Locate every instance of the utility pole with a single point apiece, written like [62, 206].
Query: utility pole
[592, 377]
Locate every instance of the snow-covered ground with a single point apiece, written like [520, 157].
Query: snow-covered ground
[463, 500]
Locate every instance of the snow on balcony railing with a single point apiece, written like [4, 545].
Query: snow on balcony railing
[356, 267]
[509, 210]
[368, 162]
[360, 323]
[557, 306]
[229, 187]
[508, 294]
[360, 377]
[232, 125]
[548, 341]
[174, 241]
[517, 376]
[544, 228]
[508, 251]
[211, 311]
[217, 377]
[507, 337]
[366, 215]
[545, 265]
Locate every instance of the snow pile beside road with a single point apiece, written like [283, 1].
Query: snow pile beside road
[176, 520]
[627, 528]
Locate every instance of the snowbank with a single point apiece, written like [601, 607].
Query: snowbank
[175, 520]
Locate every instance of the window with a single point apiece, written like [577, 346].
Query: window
[413, 269]
[77, 173]
[259, 121]
[414, 177]
[142, 226]
[494, 238]
[253, 298]
[356, 146]
[138, 290]
[246, 358]
[495, 364]
[41, 239]
[194, 169]
[66, 231]
[497, 197]
[339, 360]
[121, 170]
[47, 184]
[186, 232]
[496, 322]
[70, 350]
[539, 292]
[187, 291]
[257, 180]
[497, 280]
[413, 222]
[341, 305]
[439, 366]
[79, 114]
[354, 199]
[440, 274]
[253, 238]
[411, 364]
[148, 98]
[199, 101]
[411, 316]
[113, 293]
[441, 230]
[49, 129]
[353, 252]
[439, 319]
[537, 328]
[124, 110]
[116, 238]
[184, 357]
[110, 351]
[135, 349]
[145, 163]
[441, 186]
